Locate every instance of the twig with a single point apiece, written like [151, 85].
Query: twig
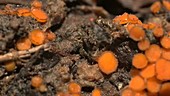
[100, 11]
[20, 2]
[22, 54]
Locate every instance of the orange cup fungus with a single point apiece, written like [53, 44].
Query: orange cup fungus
[148, 71]
[74, 88]
[127, 19]
[166, 4]
[107, 62]
[127, 92]
[36, 4]
[139, 61]
[23, 44]
[151, 25]
[140, 93]
[158, 31]
[23, 12]
[156, 7]
[10, 66]
[137, 83]
[165, 41]
[39, 15]
[96, 92]
[36, 81]
[137, 33]
[153, 85]
[143, 44]
[50, 36]
[166, 54]
[37, 37]
[122, 19]
[153, 53]
[162, 69]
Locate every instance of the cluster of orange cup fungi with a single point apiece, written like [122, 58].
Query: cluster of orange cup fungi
[36, 37]
[150, 75]
[74, 89]
[35, 11]
[156, 6]
[37, 82]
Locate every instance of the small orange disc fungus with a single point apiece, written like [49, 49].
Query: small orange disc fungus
[36, 81]
[153, 85]
[133, 19]
[137, 33]
[121, 19]
[139, 61]
[165, 89]
[151, 25]
[166, 4]
[129, 27]
[148, 71]
[10, 66]
[143, 44]
[36, 4]
[39, 15]
[137, 83]
[23, 12]
[127, 92]
[153, 53]
[162, 69]
[74, 88]
[75, 95]
[166, 54]
[155, 7]
[50, 36]
[158, 31]
[63, 94]
[165, 41]
[37, 37]
[23, 44]
[107, 62]
[140, 93]
[96, 92]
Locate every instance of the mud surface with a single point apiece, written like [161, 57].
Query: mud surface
[83, 29]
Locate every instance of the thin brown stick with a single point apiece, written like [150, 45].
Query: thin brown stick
[22, 54]
[20, 2]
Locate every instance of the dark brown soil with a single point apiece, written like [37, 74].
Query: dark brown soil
[84, 29]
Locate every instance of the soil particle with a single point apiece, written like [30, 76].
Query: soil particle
[89, 72]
